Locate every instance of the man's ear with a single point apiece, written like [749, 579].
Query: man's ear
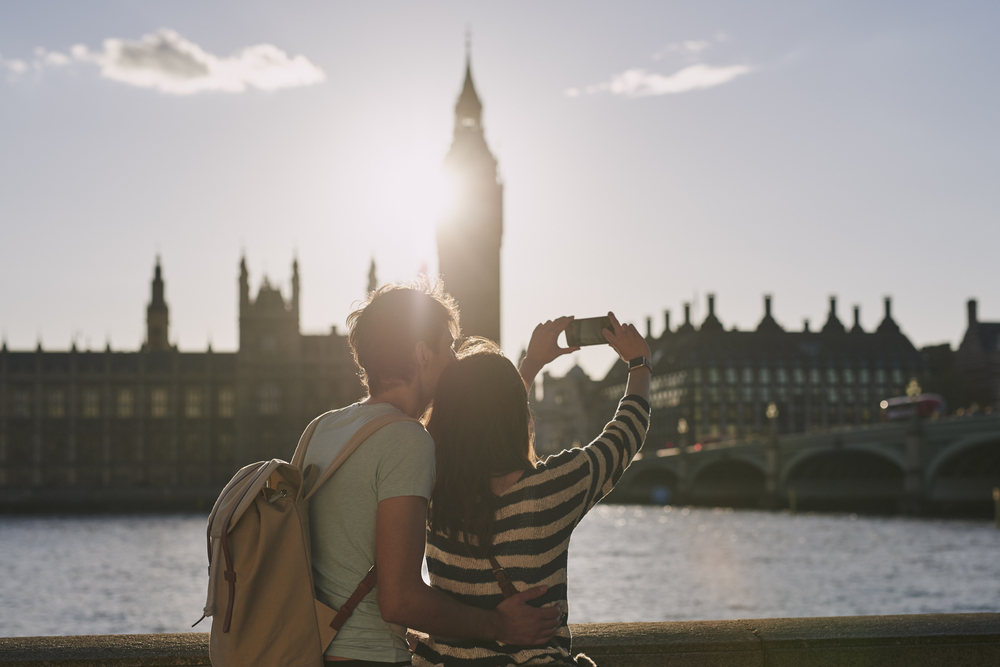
[423, 354]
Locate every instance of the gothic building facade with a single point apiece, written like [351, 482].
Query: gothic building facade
[711, 383]
[93, 422]
[469, 235]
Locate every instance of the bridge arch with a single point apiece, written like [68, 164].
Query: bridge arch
[966, 472]
[893, 455]
[846, 478]
[736, 481]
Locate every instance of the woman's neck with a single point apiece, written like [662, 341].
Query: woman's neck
[503, 482]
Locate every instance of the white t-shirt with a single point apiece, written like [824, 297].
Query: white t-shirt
[397, 460]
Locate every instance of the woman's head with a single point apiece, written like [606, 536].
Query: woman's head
[482, 428]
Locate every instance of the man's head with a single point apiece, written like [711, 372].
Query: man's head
[402, 334]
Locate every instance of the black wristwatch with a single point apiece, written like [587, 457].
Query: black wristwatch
[639, 362]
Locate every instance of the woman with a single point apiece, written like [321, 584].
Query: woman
[493, 499]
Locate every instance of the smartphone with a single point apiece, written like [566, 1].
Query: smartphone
[587, 331]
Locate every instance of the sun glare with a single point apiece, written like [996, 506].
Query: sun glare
[409, 192]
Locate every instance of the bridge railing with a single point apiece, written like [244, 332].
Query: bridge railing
[927, 640]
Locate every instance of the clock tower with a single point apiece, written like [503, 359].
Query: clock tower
[469, 234]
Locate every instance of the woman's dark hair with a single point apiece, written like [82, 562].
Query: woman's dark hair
[482, 428]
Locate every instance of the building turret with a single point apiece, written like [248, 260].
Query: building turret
[888, 325]
[833, 323]
[768, 322]
[244, 285]
[157, 315]
[295, 288]
[372, 278]
[687, 327]
[856, 329]
[711, 322]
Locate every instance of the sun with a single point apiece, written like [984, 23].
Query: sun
[409, 193]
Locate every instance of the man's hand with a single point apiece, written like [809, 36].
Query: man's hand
[524, 625]
[544, 348]
[404, 598]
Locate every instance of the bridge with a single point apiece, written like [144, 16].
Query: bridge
[945, 465]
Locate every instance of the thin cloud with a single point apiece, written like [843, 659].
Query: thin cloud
[14, 67]
[641, 83]
[171, 64]
[690, 48]
[45, 58]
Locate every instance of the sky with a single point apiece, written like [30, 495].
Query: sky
[651, 153]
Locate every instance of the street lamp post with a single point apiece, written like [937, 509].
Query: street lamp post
[771, 488]
[682, 429]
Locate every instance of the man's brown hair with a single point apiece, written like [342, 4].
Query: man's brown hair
[385, 329]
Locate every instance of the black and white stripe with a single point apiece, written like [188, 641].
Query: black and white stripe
[532, 529]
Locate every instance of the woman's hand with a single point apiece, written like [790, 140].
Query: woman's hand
[626, 340]
[629, 344]
[544, 348]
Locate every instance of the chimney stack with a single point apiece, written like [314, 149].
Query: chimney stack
[857, 317]
[666, 321]
[711, 305]
[971, 305]
[767, 305]
[805, 325]
[649, 327]
[888, 307]
[687, 312]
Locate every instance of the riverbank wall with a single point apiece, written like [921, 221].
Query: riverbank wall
[920, 640]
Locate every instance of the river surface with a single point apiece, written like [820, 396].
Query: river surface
[143, 574]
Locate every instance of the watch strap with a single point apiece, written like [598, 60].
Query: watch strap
[639, 362]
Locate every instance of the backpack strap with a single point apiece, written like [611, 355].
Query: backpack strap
[363, 589]
[506, 585]
[371, 579]
[348, 449]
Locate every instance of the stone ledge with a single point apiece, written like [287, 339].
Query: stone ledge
[952, 640]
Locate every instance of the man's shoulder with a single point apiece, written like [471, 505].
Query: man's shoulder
[336, 427]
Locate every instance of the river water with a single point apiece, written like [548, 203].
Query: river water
[142, 574]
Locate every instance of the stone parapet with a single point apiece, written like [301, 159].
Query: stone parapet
[919, 640]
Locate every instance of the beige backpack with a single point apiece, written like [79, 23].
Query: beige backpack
[260, 563]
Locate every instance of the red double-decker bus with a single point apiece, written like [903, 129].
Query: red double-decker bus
[908, 407]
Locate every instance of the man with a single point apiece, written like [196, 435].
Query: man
[374, 508]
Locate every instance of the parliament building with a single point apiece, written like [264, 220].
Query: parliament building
[160, 418]
[160, 428]
[711, 383]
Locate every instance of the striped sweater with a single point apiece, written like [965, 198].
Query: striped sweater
[532, 528]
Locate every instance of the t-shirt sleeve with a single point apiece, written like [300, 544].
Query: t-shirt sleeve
[406, 467]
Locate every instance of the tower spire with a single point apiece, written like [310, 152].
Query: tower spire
[468, 109]
[157, 314]
[372, 279]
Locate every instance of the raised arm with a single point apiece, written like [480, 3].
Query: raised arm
[612, 452]
[626, 340]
